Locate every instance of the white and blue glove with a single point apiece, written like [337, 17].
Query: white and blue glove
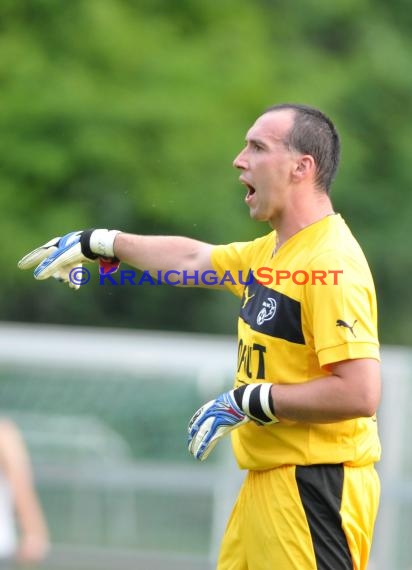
[250, 402]
[61, 255]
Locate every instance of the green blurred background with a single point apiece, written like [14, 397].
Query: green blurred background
[128, 114]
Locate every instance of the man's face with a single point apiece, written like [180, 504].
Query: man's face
[266, 165]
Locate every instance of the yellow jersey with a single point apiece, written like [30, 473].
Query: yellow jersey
[304, 307]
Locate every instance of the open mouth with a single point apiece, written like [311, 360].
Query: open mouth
[250, 191]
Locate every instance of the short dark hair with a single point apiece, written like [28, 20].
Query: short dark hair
[314, 133]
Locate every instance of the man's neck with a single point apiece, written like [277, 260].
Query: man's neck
[301, 214]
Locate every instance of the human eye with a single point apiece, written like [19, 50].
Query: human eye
[257, 146]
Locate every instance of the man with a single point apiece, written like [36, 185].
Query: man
[302, 411]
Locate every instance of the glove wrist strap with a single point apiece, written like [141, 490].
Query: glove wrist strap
[98, 243]
[255, 401]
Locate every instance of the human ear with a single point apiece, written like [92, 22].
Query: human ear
[304, 167]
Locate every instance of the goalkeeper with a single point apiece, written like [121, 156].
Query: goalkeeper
[302, 409]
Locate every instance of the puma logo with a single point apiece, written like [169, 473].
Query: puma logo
[340, 323]
[247, 297]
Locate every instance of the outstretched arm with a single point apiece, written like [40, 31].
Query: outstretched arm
[61, 255]
[163, 253]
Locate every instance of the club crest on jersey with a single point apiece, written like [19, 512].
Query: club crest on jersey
[267, 312]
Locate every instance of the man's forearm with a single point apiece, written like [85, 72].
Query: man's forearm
[351, 391]
[162, 252]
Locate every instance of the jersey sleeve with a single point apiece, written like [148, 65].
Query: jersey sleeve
[232, 262]
[343, 312]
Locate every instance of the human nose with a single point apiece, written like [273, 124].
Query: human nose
[240, 161]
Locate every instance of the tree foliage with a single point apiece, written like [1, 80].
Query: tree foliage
[128, 114]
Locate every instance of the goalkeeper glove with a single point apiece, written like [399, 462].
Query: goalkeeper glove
[227, 412]
[59, 256]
